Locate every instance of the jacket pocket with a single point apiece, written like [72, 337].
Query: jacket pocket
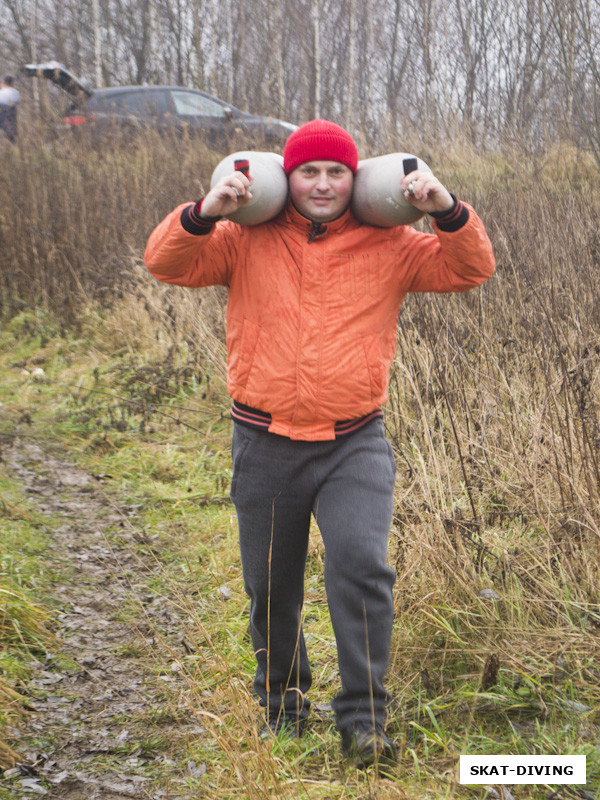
[348, 377]
[242, 338]
[376, 367]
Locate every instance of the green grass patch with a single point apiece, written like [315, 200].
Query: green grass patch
[511, 673]
[26, 627]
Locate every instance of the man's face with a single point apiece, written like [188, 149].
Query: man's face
[321, 190]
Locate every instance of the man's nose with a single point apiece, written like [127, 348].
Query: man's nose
[323, 182]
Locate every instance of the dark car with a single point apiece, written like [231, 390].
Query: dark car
[163, 108]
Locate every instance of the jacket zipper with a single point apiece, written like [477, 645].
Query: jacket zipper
[318, 229]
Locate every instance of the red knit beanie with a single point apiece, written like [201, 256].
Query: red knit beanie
[319, 140]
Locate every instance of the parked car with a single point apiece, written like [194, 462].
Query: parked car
[164, 108]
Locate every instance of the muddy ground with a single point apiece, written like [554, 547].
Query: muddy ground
[108, 715]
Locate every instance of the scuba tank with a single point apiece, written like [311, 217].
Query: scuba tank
[377, 197]
[269, 188]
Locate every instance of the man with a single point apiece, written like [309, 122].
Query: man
[9, 100]
[311, 329]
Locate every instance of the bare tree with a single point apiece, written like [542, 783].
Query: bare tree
[390, 70]
[586, 92]
[97, 43]
[315, 83]
[23, 14]
[475, 20]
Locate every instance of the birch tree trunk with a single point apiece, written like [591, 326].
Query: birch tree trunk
[211, 73]
[230, 67]
[315, 99]
[152, 67]
[33, 39]
[97, 43]
[196, 60]
[349, 100]
[279, 56]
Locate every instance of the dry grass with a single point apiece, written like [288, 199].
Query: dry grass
[494, 413]
[24, 627]
[11, 705]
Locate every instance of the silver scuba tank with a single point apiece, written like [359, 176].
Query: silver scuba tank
[377, 197]
[269, 188]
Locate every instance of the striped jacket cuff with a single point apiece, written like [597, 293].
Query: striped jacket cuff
[453, 219]
[193, 223]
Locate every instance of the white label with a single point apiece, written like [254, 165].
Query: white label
[522, 769]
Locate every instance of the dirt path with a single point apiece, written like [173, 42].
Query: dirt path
[105, 725]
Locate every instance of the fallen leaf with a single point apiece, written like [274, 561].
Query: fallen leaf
[59, 778]
[489, 594]
[31, 785]
[194, 770]
[12, 773]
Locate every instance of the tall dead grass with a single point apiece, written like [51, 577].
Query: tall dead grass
[494, 413]
[494, 401]
[73, 213]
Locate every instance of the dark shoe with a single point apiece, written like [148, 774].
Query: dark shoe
[368, 747]
[290, 726]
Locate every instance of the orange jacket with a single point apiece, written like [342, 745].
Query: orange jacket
[311, 326]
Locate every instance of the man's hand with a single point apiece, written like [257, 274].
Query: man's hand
[227, 195]
[425, 192]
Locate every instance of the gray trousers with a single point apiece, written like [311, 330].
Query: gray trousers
[348, 485]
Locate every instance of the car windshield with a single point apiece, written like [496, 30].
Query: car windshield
[190, 104]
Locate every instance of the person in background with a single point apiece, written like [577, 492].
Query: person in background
[9, 100]
[313, 301]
